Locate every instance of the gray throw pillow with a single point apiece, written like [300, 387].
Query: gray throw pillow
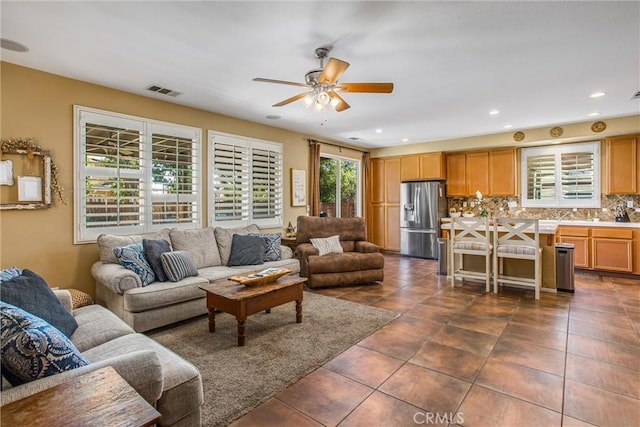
[152, 251]
[246, 250]
[178, 265]
[272, 243]
[31, 293]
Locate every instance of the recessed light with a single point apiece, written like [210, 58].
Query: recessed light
[593, 114]
[405, 139]
[494, 112]
[508, 126]
[597, 94]
[14, 46]
[378, 130]
[273, 117]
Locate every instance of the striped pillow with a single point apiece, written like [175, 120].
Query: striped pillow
[327, 245]
[177, 265]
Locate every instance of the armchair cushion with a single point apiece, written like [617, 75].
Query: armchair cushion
[32, 348]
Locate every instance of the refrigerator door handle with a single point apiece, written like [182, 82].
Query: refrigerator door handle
[417, 202]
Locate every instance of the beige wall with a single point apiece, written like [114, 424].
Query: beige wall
[40, 105]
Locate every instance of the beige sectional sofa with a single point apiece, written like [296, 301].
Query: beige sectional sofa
[164, 303]
[163, 378]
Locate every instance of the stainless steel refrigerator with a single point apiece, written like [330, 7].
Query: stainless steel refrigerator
[422, 205]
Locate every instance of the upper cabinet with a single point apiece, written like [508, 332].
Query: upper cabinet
[377, 177]
[425, 166]
[622, 160]
[493, 173]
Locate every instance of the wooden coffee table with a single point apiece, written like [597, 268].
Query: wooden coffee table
[242, 301]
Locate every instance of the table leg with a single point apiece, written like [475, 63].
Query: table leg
[298, 311]
[212, 319]
[268, 310]
[241, 331]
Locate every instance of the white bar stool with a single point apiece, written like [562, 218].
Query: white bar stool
[470, 236]
[516, 239]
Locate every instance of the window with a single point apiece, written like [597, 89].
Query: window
[245, 181]
[561, 176]
[134, 175]
[339, 186]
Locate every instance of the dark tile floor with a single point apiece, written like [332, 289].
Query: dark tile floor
[462, 357]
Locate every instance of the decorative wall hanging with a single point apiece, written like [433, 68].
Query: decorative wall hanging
[556, 132]
[598, 126]
[38, 175]
[298, 187]
[518, 136]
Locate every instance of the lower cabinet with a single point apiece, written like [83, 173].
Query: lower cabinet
[581, 251]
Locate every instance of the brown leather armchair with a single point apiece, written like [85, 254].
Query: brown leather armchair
[361, 261]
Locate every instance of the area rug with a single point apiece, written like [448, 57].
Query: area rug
[277, 353]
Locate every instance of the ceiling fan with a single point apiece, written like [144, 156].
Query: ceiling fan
[324, 86]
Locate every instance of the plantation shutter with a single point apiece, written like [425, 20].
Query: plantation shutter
[541, 177]
[230, 180]
[577, 175]
[266, 177]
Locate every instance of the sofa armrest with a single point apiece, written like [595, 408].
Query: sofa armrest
[285, 252]
[115, 277]
[303, 252]
[141, 369]
[366, 247]
[65, 298]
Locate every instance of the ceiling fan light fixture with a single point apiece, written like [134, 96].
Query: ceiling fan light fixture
[308, 100]
[323, 98]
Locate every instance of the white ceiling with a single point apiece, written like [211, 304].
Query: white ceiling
[451, 62]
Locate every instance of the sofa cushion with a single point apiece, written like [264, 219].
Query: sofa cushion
[345, 262]
[272, 242]
[224, 238]
[327, 245]
[32, 348]
[132, 258]
[97, 325]
[161, 294]
[200, 244]
[107, 242]
[178, 265]
[31, 293]
[246, 250]
[152, 251]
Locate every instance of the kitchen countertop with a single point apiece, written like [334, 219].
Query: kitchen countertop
[550, 225]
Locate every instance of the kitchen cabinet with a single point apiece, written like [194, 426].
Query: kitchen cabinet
[579, 237]
[432, 166]
[456, 175]
[612, 249]
[383, 223]
[477, 173]
[622, 162]
[503, 175]
[410, 168]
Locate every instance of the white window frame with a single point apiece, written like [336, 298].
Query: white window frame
[338, 182]
[247, 213]
[146, 127]
[557, 151]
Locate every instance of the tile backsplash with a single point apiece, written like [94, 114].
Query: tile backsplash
[498, 206]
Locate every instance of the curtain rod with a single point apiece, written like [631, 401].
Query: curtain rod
[315, 141]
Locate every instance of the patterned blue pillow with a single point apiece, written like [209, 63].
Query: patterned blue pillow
[177, 265]
[272, 243]
[9, 273]
[32, 348]
[132, 257]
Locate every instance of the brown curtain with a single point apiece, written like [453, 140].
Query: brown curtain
[314, 178]
[366, 175]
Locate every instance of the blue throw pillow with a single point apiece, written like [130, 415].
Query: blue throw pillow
[9, 273]
[152, 251]
[132, 258]
[31, 293]
[272, 243]
[32, 348]
[246, 250]
[178, 265]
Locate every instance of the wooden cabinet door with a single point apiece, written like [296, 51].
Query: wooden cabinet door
[432, 166]
[612, 254]
[409, 168]
[456, 178]
[581, 251]
[377, 226]
[622, 167]
[477, 173]
[393, 228]
[377, 178]
[392, 181]
[503, 173]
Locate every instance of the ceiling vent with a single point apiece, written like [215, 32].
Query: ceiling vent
[636, 95]
[163, 90]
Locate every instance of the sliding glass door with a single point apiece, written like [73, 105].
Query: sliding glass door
[339, 187]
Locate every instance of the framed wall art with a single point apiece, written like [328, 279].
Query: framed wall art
[298, 187]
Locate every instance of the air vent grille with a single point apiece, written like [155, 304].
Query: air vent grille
[163, 90]
[636, 95]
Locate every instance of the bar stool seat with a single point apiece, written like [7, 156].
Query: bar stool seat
[470, 236]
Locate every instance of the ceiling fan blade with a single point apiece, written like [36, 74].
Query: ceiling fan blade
[292, 99]
[342, 104]
[365, 87]
[282, 82]
[333, 71]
